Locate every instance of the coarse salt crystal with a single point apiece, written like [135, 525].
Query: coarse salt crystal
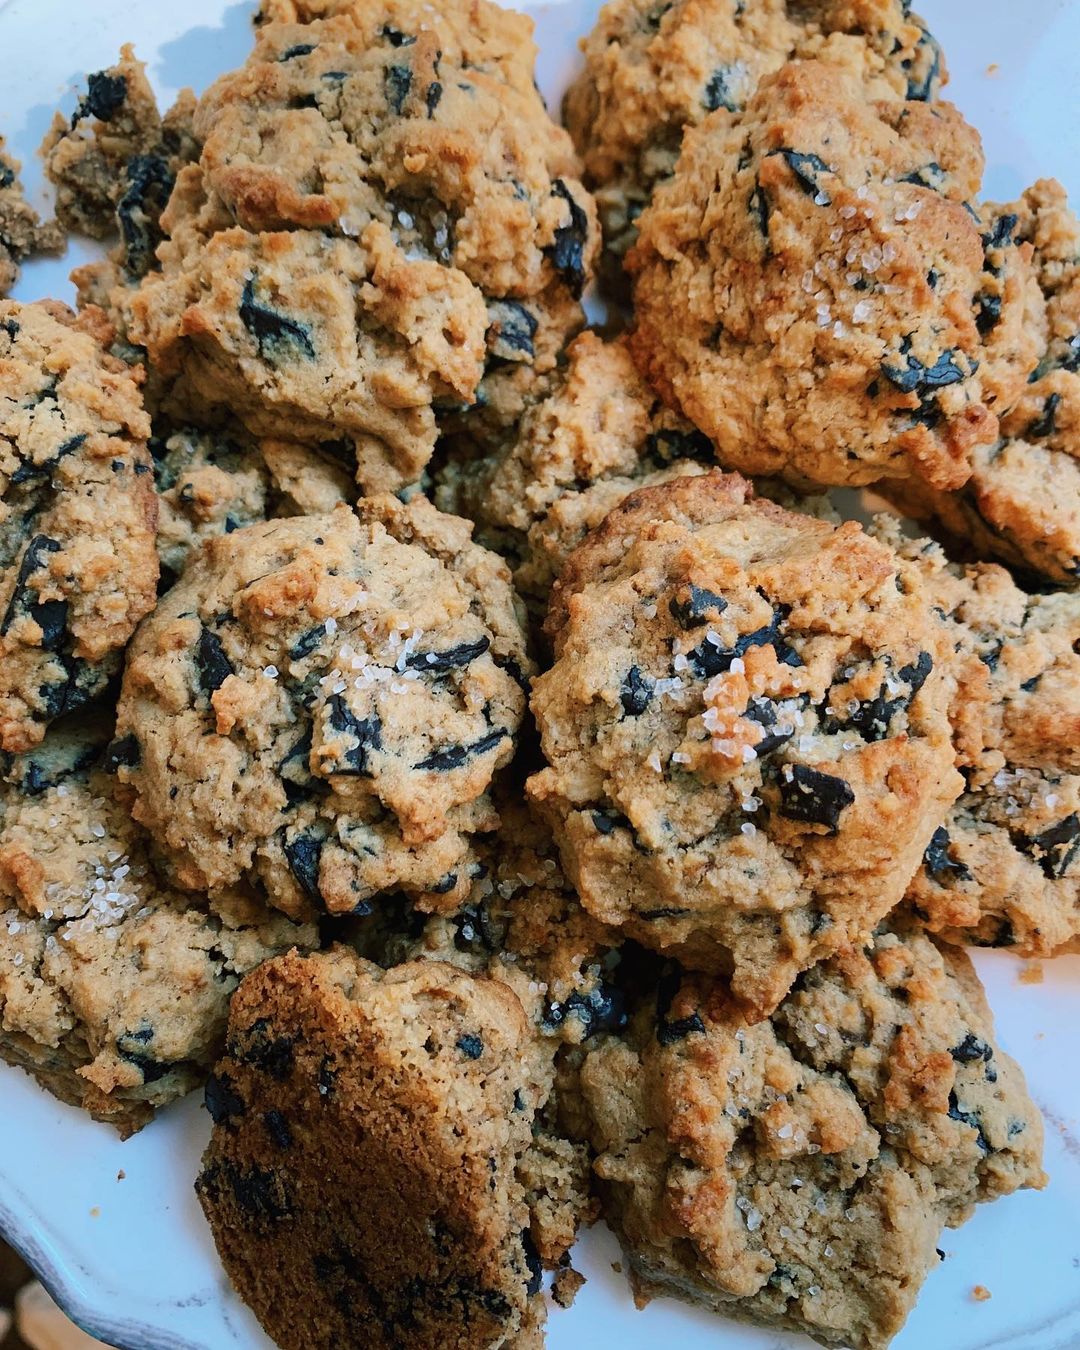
[785, 1131]
[748, 829]
[654, 762]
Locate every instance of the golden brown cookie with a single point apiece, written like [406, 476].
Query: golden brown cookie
[832, 287]
[321, 703]
[798, 1173]
[78, 568]
[653, 69]
[745, 728]
[114, 987]
[21, 232]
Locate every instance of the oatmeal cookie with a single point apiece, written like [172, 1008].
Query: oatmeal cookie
[369, 1159]
[114, 988]
[798, 1173]
[114, 164]
[652, 70]
[1003, 869]
[376, 226]
[1022, 502]
[212, 483]
[841, 317]
[21, 231]
[745, 728]
[77, 514]
[321, 703]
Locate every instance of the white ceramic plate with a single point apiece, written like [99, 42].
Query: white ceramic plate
[113, 1228]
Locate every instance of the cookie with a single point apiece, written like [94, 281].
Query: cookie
[1003, 869]
[114, 988]
[841, 317]
[212, 483]
[365, 1169]
[21, 231]
[78, 568]
[375, 222]
[1022, 502]
[745, 728]
[600, 433]
[320, 703]
[798, 1173]
[652, 70]
[114, 163]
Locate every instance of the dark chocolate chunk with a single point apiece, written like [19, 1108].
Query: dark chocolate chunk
[968, 1118]
[452, 658]
[258, 1192]
[213, 666]
[472, 1047]
[29, 470]
[104, 97]
[636, 692]
[970, 1049]
[304, 854]
[454, 756]
[758, 206]
[924, 87]
[367, 731]
[915, 377]
[124, 752]
[306, 643]
[602, 1009]
[667, 1033]
[32, 561]
[272, 1054]
[149, 183]
[719, 93]
[709, 659]
[300, 49]
[276, 334]
[533, 1264]
[445, 884]
[1045, 425]
[277, 1127]
[937, 861]
[1056, 848]
[668, 445]
[130, 1048]
[930, 175]
[763, 712]
[567, 253]
[873, 718]
[397, 81]
[807, 169]
[432, 97]
[814, 797]
[395, 37]
[511, 330]
[222, 1100]
[695, 605]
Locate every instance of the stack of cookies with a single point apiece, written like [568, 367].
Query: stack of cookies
[477, 751]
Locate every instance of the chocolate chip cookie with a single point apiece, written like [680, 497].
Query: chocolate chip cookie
[745, 728]
[368, 1165]
[322, 702]
[114, 987]
[78, 568]
[653, 69]
[1022, 503]
[841, 317]
[21, 231]
[374, 224]
[1003, 869]
[215, 482]
[798, 1173]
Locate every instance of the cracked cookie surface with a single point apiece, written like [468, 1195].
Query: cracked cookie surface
[78, 569]
[114, 987]
[844, 314]
[654, 69]
[745, 727]
[321, 702]
[798, 1173]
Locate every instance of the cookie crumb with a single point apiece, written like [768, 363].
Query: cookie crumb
[616, 1266]
[95, 1212]
[1031, 974]
[980, 1293]
[566, 1286]
[993, 69]
[121, 1175]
